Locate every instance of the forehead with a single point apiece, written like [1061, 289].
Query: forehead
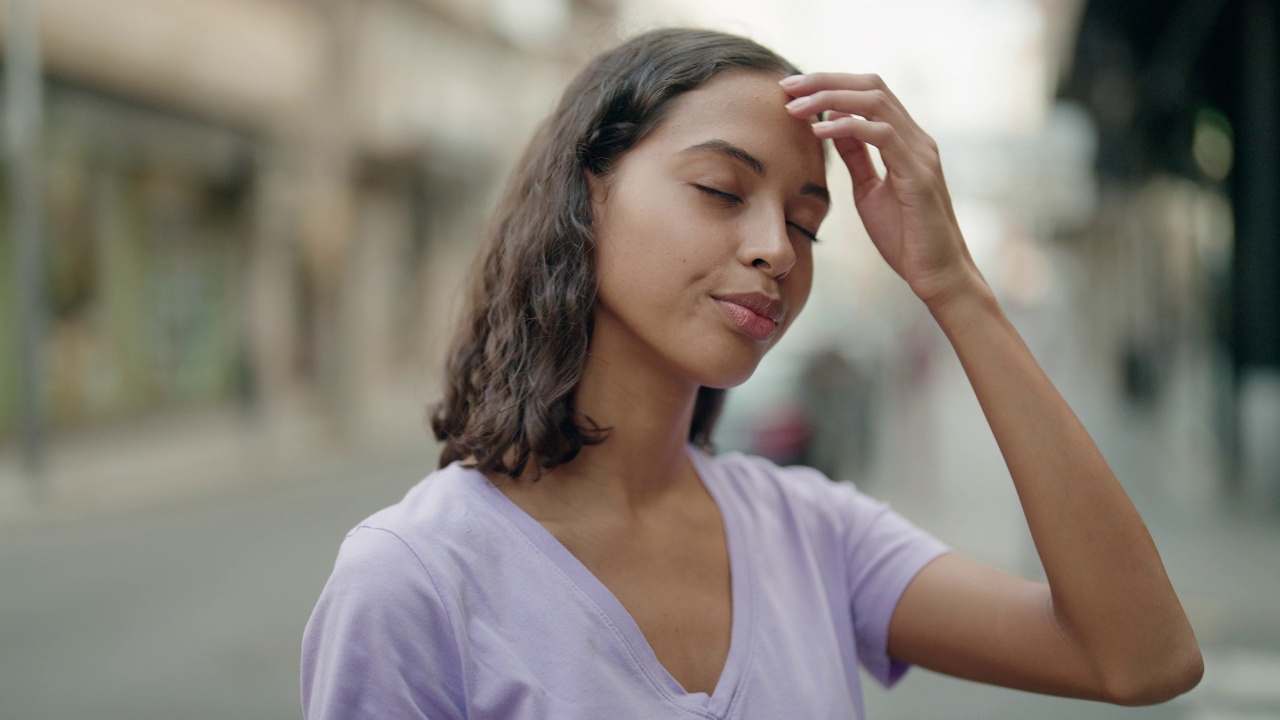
[746, 109]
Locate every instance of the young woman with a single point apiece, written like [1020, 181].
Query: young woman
[582, 554]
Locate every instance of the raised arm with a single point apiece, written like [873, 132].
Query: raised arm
[1108, 625]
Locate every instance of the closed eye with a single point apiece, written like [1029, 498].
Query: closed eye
[804, 232]
[731, 198]
[722, 195]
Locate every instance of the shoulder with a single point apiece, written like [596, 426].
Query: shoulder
[434, 501]
[415, 553]
[389, 555]
[383, 637]
[804, 497]
[756, 480]
[445, 513]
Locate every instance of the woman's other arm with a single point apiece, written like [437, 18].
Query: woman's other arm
[1108, 624]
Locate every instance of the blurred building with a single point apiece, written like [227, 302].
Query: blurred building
[267, 204]
[1186, 99]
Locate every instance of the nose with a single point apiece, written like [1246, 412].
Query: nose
[768, 248]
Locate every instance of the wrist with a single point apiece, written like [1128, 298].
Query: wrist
[964, 304]
[966, 290]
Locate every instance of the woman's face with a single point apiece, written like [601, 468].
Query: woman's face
[704, 233]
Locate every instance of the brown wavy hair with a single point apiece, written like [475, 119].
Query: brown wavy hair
[519, 351]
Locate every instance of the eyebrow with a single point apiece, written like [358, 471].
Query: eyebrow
[755, 164]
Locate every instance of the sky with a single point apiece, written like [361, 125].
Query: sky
[961, 66]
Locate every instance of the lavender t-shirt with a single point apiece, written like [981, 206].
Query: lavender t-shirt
[454, 603]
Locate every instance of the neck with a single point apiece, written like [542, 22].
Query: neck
[644, 459]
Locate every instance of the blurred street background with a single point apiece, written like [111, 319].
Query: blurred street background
[232, 235]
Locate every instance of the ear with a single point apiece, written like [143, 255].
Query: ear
[597, 184]
[598, 188]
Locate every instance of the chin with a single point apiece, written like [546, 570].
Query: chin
[726, 373]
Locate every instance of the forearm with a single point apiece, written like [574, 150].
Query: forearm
[1109, 589]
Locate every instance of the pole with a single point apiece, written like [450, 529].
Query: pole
[23, 119]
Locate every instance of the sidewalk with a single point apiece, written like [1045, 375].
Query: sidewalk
[179, 457]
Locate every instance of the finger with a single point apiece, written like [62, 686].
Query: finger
[833, 115]
[897, 156]
[856, 157]
[871, 104]
[807, 84]
[804, 85]
[862, 171]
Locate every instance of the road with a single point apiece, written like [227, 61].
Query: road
[190, 612]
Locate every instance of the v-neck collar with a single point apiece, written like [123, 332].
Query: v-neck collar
[720, 703]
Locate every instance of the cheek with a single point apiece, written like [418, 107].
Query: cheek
[800, 283]
[647, 246]
[632, 264]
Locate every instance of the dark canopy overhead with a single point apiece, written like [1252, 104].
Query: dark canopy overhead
[1149, 71]
[1144, 69]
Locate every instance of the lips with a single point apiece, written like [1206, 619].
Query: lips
[755, 315]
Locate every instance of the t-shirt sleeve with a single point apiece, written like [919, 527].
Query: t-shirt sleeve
[379, 643]
[884, 551]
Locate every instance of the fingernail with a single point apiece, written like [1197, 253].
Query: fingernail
[797, 103]
[824, 125]
[791, 80]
